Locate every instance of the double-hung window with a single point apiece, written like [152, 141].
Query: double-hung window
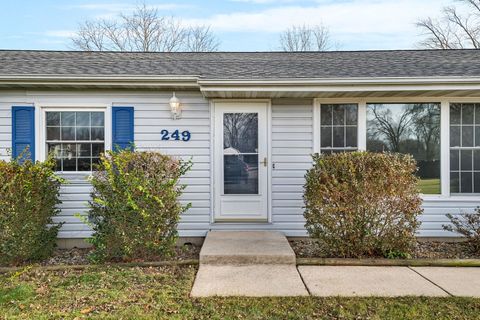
[75, 138]
[338, 127]
[464, 148]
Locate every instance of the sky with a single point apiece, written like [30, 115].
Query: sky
[240, 25]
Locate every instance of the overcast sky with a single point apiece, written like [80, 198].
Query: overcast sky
[241, 25]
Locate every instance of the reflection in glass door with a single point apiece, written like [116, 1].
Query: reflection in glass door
[240, 153]
[240, 166]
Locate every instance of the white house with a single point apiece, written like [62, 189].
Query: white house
[250, 122]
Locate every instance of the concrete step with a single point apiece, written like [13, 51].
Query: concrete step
[245, 248]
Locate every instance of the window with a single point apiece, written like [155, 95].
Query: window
[465, 148]
[338, 127]
[76, 139]
[411, 129]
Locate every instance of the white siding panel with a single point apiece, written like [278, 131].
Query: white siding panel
[291, 145]
[150, 120]
[5, 130]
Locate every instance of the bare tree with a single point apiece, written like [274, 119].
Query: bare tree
[143, 30]
[305, 38]
[201, 39]
[453, 30]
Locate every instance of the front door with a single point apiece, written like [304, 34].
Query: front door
[240, 161]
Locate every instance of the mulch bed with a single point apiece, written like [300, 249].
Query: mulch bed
[308, 248]
[80, 256]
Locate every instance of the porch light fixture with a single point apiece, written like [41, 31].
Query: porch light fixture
[175, 107]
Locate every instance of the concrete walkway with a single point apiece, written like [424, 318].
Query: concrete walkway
[263, 264]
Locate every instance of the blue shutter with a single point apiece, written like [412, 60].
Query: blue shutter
[23, 132]
[122, 127]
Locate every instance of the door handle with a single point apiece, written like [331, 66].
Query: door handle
[264, 162]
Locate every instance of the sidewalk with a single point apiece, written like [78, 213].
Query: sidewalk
[391, 281]
[262, 263]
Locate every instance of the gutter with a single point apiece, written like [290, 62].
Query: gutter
[100, 81]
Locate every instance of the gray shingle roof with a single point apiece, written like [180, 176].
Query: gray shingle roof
[246, 65]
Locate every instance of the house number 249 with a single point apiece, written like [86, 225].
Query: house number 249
[176, 135]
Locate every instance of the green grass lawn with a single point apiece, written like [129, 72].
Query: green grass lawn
[429, 186]
[163, 292]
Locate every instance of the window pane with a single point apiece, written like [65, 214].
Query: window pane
[455, 113]
[351, 137]
[240, 132]
[454, 160]
[338, 137]
[454, 182]
[53, 118]
[326, 114]
[97, 149]
[98, 119]
[55, 150]
[467, 114]
[95, 161]
[326, 134]
[53, 133]
[476, 160]
[466, 162]
[98, 134]
[476, 182]
[455, 136]
[240, 174]
[69, 150]
[70, 164]
[83, 133]
[84, 164]
[477, 136]
[411, 129]
[67, 119]
[68, 133]
[351, 114]
[477, 114]
[467, 136]
[338, 114]
[466, 182]
[83, 119]
[84, 150]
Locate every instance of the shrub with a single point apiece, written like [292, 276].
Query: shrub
[363, 204]
[29, 195]
[134, 209]
[468, 225]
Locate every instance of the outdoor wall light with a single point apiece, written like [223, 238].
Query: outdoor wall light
[175, 107]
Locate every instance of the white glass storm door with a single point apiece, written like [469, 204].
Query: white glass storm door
[240, 162]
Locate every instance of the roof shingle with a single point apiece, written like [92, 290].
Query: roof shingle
[246, 65]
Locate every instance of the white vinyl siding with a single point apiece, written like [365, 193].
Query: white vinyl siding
[292, 136]
[5, 130]
[292, 146]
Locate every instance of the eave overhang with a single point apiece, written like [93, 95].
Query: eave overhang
[258, 88]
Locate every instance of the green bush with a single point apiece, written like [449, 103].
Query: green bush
[134, 209]
[467, 225]
[362, 204]
[29, 195]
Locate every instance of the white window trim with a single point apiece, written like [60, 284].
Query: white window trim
[42, 128]
[362, 133]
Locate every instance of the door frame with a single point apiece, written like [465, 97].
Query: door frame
[213, 188]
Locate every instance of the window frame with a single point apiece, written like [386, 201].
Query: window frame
[65, 107]
[362, 132]
[461, 148]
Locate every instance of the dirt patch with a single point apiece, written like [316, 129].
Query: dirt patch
[80, 256]
[309, 248]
